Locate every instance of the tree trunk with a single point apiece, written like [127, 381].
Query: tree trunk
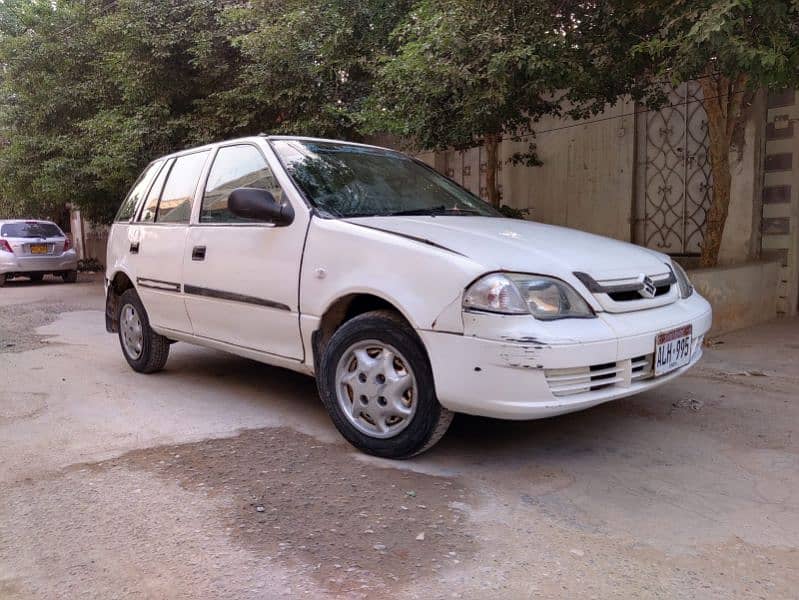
[719, 205]
[724, 98]
[492, 141]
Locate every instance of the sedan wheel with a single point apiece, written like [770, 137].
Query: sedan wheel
[144, 349]
[131, 330]
[376, 388]
[375, 380]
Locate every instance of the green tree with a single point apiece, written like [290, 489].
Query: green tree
[731, 47]
[467, 72]
[92, 91]
[311, 63]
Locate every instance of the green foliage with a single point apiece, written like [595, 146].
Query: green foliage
[636, 46]
[312, 63]
[755, 38]
[92, 91]
[513, 213]
[467, 68]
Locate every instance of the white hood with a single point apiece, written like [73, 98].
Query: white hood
[526, 246]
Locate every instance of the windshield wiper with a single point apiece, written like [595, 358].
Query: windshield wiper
[434, 210]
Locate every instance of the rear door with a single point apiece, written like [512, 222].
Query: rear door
[158, 240]
[241, 276]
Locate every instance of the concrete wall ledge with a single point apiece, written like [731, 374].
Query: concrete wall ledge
[741, 295]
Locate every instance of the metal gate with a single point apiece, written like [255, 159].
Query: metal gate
[673, 178]
[468, 168]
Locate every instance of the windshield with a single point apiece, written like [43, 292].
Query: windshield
[357, 181]
[30, 230]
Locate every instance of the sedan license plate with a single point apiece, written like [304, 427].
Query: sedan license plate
[672, 350]
[38, 248]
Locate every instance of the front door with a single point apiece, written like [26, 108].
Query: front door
[241, 276]
[158, 241]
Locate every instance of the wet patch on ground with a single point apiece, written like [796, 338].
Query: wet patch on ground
[18, 322]
[353, 528]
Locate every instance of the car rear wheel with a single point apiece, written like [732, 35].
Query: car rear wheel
[144, 349]
[70, 276]
[376, 382]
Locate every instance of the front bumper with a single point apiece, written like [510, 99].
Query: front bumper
[507, 378]
[13, 264]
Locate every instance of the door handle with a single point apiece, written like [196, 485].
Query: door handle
[134, 247]
[198, 253]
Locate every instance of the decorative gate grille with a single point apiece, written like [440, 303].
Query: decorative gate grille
[674, 178]
[468, 168]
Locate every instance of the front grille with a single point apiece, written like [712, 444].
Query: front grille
[628, 295]
[578, 380]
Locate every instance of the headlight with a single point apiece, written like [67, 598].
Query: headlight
[495, 293]
[686, 289]
[545, 298]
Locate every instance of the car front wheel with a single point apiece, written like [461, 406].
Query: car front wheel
[376, 382]
[144, 349]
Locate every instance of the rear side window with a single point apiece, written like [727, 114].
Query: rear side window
[151, 205]
[235, 167]
[30, 230]
[175, 204]
[125, 212]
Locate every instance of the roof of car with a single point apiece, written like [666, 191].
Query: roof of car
[8, 221]
[262, 136]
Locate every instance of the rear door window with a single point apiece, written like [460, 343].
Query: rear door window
[137, 192]
[175, 204]
[30, 230]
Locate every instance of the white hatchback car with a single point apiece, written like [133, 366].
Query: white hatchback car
[406, 296]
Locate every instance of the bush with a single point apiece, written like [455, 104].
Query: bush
[514, 213]
[90, 265]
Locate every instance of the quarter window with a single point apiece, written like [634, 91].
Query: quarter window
[151, 205]
[235, 167]
[175, 204]
[137, 192]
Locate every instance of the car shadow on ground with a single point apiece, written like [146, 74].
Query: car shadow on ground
[470, 439]
[24, 282]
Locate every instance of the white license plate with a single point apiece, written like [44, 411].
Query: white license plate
[672, 350]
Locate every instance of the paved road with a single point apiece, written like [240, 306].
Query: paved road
[223, 478]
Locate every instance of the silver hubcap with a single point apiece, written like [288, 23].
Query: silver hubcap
[131, 329]
[376, 389]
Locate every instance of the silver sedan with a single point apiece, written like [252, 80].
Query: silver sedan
[34, 249]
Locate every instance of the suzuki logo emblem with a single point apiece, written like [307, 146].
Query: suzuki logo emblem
[648, 287]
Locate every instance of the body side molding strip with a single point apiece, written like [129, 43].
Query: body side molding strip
[194, 290]
[157, 284]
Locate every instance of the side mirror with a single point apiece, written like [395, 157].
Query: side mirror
[258, 204]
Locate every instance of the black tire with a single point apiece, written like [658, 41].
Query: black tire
[36, 277]
[2, 279]
[69, 276]
[155, 347]
[429, 422]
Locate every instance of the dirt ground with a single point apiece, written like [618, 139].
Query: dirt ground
[224, 478]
